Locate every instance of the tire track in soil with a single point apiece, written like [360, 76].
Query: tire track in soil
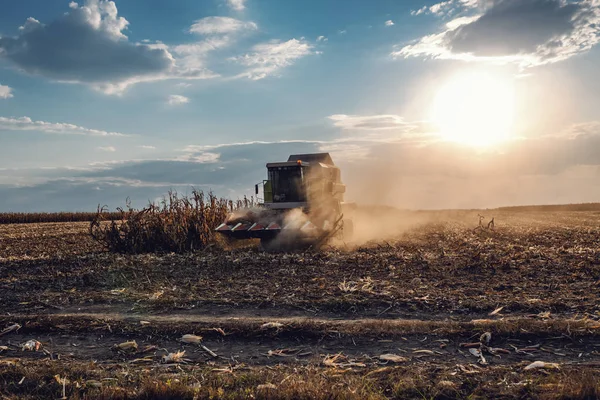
[89, 336]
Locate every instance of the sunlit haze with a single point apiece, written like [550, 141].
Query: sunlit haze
[475, 109]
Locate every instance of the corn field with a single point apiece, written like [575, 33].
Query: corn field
[33, 218]
[176, 224]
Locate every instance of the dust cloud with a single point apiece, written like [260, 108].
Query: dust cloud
[373, 223]
[369, 218]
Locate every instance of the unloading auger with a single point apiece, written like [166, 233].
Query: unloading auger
[303, 202]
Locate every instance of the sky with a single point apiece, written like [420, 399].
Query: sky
[423, 104]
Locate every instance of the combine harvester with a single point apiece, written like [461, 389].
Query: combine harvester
[302, 204]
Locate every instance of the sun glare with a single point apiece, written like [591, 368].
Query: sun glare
[475, 109]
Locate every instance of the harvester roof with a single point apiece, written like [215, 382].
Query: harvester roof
[323, 158]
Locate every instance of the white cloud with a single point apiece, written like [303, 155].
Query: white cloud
[192, 57]
[176, 99]
[147, 147]
[267, 58]
[440, 8]
[108, 148]
[5, 92]
[220, 32]
[220, 25]
[419, 11]
[447, 8]
[524, 32]
[88, 45]
[27, 124]
[237, 5]
[322, 39]
[389, 22]
[342, 31]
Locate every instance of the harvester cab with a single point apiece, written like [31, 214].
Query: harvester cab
[302, 201]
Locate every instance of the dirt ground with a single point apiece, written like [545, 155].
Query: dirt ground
[434, 309]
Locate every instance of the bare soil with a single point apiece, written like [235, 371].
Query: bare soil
[425, 294]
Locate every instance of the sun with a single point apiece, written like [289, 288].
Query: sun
[475, 109]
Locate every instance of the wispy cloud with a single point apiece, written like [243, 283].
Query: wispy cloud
[176, 99]
[191, 58]
[389, 22]
[524, 32]
[204, 157]
[220, 25]
[219, 33]
[5, 92]
[268, 58]
[369, 122]
[27, 124]
[420, 11]
[321, 39]
[147, 147]
[447, 8]
[107, 148]
[202, 148]
[236, 5]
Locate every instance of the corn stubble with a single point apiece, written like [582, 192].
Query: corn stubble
[176, 224]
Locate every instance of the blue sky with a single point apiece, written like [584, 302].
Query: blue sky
[424, 104]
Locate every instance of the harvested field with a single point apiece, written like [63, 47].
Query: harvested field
[311, 324]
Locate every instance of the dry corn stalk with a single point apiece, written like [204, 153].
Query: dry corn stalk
[191, 339]
[392, 357]
[475, 352]
[157, 295]
[127, 346]
[219, 330]
[31, 345]
[424, 351]
[496, 311]
[266, 386]
[479, 354]
[270, 325]
[63, 382]
[281, 353]
[13, 327]
[175, 224]
[173, 357]
[93, 384]
[541, 364]
[337, 361]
